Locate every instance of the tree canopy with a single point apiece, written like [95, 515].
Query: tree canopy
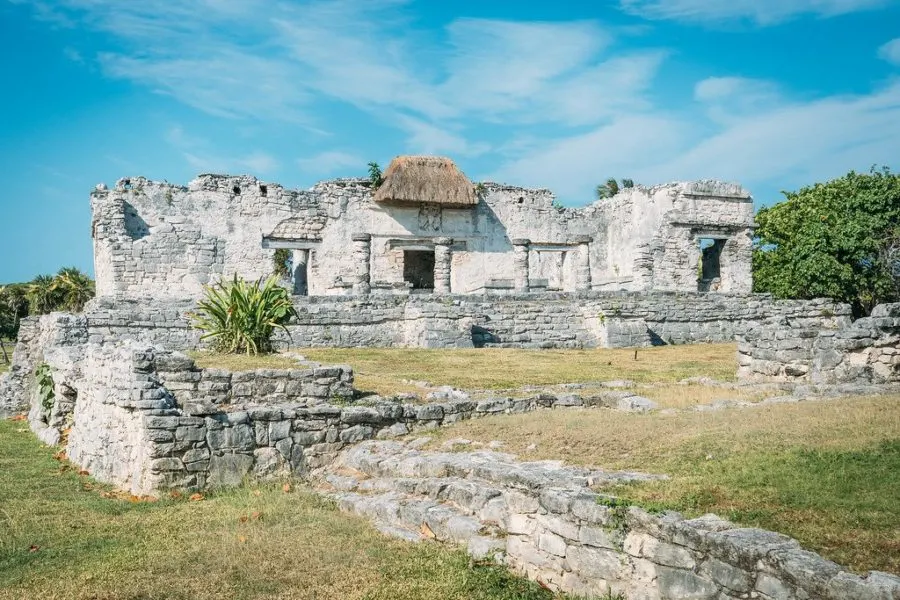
[839, 239]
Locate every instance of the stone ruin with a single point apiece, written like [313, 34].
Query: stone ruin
[429, 260]
[426, 229]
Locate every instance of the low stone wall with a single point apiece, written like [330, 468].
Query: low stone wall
[148, 420]
[828, 350]
[543, 520]
[538, 320]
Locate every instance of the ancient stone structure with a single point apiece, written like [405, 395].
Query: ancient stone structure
[546, 523]
[829, 348]
[535, 320]
[427, 228]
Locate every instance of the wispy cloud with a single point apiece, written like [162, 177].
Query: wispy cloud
[557, 104]
[201, 155]
[891, 52]
[330, 161]
[762, 12]
[785, 141]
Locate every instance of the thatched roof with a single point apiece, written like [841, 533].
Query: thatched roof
[426, 179]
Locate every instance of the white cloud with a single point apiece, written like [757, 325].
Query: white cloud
[763, 12]
[331, 161]
[201, 156]
[425, 138]
[891, 52]
[573, 166]
[792, 143]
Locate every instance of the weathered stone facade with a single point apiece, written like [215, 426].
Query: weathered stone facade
[537, 320]
[158, 240]
[828, 349]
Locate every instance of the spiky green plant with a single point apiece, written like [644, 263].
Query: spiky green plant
[241, 316]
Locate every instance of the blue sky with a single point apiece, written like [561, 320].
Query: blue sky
[774, 94]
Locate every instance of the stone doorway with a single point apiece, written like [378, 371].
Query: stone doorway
[710, 267]
[418, 269]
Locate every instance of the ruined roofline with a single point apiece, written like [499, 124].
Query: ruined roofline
[700, 189]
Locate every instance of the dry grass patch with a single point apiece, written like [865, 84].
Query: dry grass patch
[827, 473]
[389, 370]
[685, 396]
[60, 539]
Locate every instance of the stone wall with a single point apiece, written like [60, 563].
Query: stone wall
[827, 350]
[548, 320]
[167, 241]
[543, 520]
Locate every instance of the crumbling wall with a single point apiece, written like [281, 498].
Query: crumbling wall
[536, 320]
[543, 519]
[829, 349]
[166, 241]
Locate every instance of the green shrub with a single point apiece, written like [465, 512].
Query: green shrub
[240, 316]
[44, 379]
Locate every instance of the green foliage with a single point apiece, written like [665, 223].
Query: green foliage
[838, 239]
[281, 261]
[42, 297]
[44, 379]
[611, 187]
[68, 290]
[72, 289]
[13, 308]
[480, 188]
[375, 175]
[241, 317]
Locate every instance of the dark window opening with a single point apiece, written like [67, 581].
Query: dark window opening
[521, 199]
[418, 269]
[263, 190]
[237, 190]
[710, 264]
[301, 277]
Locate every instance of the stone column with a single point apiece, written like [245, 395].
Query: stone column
[583, 269]
[362, 254]
[299, 270]
[520, 264]
[442, 257]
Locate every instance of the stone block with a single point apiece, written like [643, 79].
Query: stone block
[684, 585]
[229, 470]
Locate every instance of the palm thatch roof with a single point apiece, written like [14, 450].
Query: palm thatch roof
[426, 179]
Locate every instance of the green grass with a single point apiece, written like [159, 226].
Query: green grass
[826, 473]
[389, 370]
[60, 538]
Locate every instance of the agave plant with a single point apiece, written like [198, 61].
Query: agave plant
[241, 316]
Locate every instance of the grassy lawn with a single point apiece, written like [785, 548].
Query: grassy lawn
[826, 473]
[390, 370]
[61, 538]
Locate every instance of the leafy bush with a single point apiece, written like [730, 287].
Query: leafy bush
[241, 316]
[44, 379]
[836, 239]
[281, 261]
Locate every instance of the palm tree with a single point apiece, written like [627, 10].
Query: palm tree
[608, 189]
[73, 288]
[42, 297]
